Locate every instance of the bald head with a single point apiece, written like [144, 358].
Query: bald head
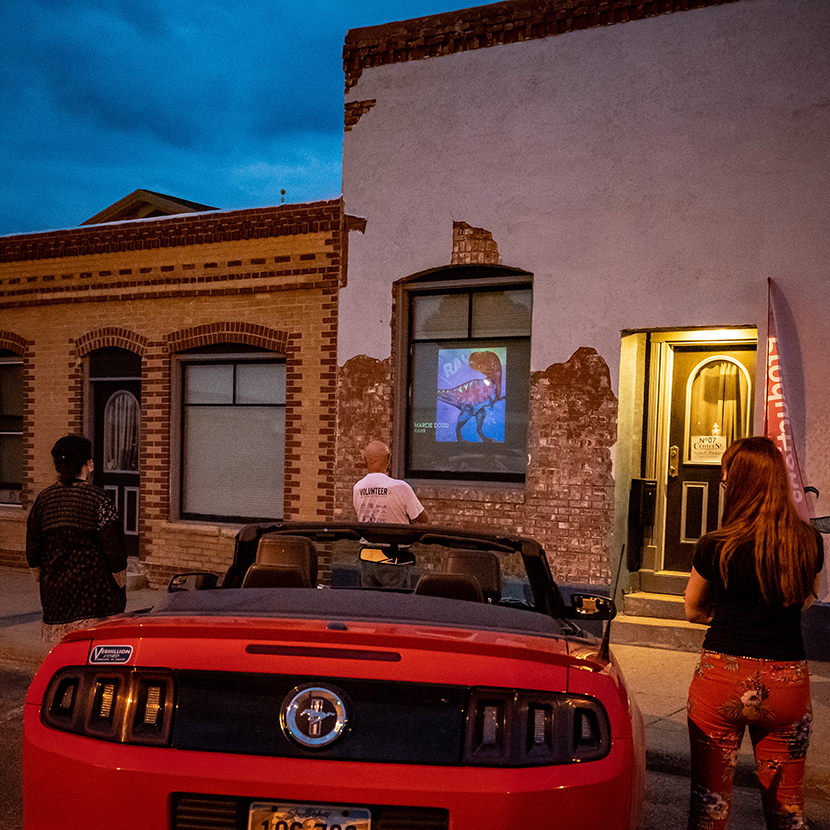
[377, 457]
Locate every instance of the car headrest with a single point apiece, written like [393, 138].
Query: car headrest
[450, 586]
[275, 576]
[294, 551]
[484, 565]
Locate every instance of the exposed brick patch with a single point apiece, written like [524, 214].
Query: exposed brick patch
[473, 246]
[572, 428]
[496, 24]
[567, 503]
[354, 111]
[364, 414]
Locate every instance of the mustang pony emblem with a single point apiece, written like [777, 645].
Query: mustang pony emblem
[472, 397]
[306, 712]
[316, 716]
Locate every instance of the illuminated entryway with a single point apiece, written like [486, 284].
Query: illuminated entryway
[698, 390]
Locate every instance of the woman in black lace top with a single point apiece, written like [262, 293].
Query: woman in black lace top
[75, 545]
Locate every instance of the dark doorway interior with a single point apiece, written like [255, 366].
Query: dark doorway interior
[115, 375]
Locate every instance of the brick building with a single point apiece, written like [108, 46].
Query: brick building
[581, 204]
[197, 349]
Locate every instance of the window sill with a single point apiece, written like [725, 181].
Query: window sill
[202, 527]
[510, 493]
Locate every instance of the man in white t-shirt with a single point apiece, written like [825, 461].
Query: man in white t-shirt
[378, 497]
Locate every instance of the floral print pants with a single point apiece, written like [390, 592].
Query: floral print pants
[772, 698]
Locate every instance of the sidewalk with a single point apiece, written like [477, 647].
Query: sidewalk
[658, 679]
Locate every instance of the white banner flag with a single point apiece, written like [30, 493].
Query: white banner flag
[778, 418]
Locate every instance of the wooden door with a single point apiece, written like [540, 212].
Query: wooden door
[710, 406]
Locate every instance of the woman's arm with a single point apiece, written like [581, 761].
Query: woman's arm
[698, 599]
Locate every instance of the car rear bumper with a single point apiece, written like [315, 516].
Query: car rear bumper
[91, 784]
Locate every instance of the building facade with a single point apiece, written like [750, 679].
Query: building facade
[574, 215]
[197, 351]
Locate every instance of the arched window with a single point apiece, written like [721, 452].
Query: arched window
[121, 428]
[717, 410]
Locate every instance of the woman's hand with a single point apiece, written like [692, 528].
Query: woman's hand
[698, 599]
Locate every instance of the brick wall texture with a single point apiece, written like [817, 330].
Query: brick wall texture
[567, 503]
[267, 277]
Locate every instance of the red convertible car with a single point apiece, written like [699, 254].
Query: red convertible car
[341, 677]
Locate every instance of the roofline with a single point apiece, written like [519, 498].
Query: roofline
[496, 24]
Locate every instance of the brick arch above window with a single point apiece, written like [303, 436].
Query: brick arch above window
[212, 333]
[112, 337]
[14, 343]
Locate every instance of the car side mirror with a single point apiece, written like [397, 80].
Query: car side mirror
[592, 607]
[196, 581]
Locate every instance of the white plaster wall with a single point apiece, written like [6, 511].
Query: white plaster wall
[649, 174]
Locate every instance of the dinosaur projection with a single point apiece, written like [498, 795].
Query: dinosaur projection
[473, 397]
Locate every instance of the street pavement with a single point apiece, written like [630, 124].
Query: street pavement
[658, 679]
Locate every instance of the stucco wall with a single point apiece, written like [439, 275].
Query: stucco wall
[650, 174]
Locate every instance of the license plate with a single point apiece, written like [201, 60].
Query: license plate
[271, 815]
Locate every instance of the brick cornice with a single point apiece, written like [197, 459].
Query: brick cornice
[496, 24]
[175, 231]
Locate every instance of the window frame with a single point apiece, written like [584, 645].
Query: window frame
[9, 359]
[469, 279]
[224, 354]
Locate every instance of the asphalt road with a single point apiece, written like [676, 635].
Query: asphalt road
[13, 682]
[667, 796]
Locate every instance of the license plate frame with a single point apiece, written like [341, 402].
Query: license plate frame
[289, 815]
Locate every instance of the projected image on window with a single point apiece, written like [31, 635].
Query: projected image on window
[470, 398]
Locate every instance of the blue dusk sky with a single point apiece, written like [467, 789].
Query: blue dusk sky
[222, 102]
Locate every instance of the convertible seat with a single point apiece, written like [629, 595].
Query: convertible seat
[275, 576]
[484, 565]
[283, 562]
[450, 586]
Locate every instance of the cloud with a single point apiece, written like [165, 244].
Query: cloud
[215, 101]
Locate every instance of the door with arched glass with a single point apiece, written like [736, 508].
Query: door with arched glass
[115, 376]
[711, 406]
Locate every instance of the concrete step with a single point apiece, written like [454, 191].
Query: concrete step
[657, 633]
[662, 606]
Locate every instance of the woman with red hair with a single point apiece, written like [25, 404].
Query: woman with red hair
[750, 580]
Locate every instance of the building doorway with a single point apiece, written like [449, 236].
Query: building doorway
[699, 400]
[115, 376]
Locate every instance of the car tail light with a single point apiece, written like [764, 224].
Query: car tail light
[132, 706]
[521, 728]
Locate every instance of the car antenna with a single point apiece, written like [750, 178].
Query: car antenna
[605, 645]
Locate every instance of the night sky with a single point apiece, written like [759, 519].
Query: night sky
[221, 102]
